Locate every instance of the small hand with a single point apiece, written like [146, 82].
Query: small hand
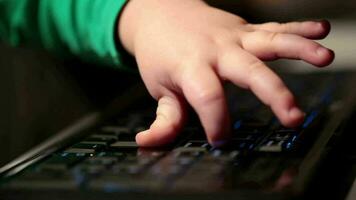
[186, 49]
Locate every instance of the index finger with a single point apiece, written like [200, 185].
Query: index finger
[203, 90]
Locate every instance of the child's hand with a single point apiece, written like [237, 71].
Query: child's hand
[185, 49]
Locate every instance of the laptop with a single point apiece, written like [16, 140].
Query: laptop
[96, 157]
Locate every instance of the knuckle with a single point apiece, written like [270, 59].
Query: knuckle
[278, 27]
[285, 93]
[290, 27]
[266, 36]
[255, 70]
[272, 36]
[197, 49]
[208, 96]
[226, 54]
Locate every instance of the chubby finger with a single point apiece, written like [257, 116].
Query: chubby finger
[246, 70]
[170, 117]
[203, 90]
[270, 46]
[307, 29]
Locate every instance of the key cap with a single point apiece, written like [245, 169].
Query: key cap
[189, 151]
[96, 160]
[198, 143]
[85, 148]
[85, 170]
[239, 144]
[104, 139]
[281, 140]
[124, 145]
[62, 161]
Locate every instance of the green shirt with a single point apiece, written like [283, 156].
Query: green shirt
[84, 28]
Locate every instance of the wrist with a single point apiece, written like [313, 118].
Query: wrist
[127, 24]
[139, 13]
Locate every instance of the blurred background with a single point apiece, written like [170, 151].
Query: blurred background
[41, 94]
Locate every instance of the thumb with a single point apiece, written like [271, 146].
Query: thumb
[170, 117]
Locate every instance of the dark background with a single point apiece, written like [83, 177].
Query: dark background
[41, 94]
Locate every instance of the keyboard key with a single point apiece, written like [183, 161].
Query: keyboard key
[62, 161]
[101, 160]
[250, 125]
[127, 168]
[75, 150]
[220, 156]
[282, 140]
[89, 170]
[239, 144]
[95, 142]
[85, 148]
[124, 145]
[249, 135]
[198, 143]
[189, 151]
[271, 146]
[107, 139]
[166, 168]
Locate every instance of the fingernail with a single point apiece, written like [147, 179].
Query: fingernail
[219, 143]
[325, 24]
[322, 51]
[326, 56]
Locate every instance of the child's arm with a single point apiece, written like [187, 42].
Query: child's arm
[186, 49]
[83, 28]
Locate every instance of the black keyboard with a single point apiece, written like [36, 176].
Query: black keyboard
[260, 151]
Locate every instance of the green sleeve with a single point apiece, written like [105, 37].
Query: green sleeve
[84, 28]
